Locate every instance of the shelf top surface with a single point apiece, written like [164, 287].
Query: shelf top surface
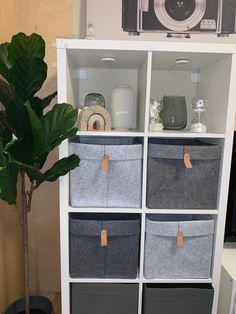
[75, 43]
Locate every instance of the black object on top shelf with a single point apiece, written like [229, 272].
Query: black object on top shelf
[230, 228]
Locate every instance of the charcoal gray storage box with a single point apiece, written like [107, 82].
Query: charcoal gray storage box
[163, 259]
[177, 299]
[106, 298]
[90, 258]
[119, 185]
[171, 184]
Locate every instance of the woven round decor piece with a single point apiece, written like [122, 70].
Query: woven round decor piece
[94, 115]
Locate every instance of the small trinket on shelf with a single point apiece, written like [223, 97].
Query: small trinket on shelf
[156, 106]
[198, 124]
[94, 118]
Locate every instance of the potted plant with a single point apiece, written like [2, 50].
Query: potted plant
[28, 135]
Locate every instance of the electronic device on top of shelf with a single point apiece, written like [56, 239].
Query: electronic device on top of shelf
[179, 17]
[230, 227]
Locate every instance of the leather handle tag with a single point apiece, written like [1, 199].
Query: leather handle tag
[103, 237]
[105, 163]
[187, 161]
[180, 240]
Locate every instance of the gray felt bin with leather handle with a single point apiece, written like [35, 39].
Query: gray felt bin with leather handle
[104, 245]
[178, 246]
[182, 174]
[88, 298]
[177, 298]
[110, 172]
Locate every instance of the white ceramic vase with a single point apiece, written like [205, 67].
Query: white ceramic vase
[122, 107]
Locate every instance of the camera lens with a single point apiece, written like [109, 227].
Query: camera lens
[180, 10]
[179, 15]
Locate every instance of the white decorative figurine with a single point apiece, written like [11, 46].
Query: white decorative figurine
[198, 125]
[155, 123]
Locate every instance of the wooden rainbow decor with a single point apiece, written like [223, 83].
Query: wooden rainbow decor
[94, 118]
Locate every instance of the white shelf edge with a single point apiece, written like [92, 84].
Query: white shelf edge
[111, 133]
[102, 280]
[175, 280]
[182, 211]
[165, 133]
[103, 210]
[185, 134]
[139, 280]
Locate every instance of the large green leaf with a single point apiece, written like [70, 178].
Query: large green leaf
[38, 104]
[3, 159]
[20, 150]
[4, 62]
[60, 168]
[18, 117]
[38, 132]
[57, 123]
[47, 100]
[5, 134]
[8, 181]
[23, 46]
[6, 93]
[27, 76]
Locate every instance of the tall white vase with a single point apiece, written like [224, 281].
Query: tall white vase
[122, 107]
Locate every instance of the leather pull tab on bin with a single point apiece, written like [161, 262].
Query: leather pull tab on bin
[105, 163]
[187, 161]
[103, 237]
[180, 240]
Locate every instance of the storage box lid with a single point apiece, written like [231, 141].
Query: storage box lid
[115, 224]
[124, 290]
[115, 152]
[190, 225]
[176, 151]
[178, 292]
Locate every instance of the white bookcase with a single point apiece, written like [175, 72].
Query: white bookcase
[150, 69]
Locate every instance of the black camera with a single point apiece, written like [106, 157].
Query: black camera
[179, 17]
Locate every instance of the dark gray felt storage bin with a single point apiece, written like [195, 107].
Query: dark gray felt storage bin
[117, 259]
[163, 259]
[177, 299]
[171, 185]
[104, 298]
[119, 185]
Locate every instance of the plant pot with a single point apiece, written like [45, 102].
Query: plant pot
[38, 305]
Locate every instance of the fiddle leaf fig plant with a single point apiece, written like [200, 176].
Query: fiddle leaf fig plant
[27, 133]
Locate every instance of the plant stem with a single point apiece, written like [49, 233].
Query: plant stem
[26, 205]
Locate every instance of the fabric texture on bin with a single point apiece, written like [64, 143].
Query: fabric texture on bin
[119, 186]
[119, 259]
[106, 298]
[177, 298]
[162, 257]
[171, 185]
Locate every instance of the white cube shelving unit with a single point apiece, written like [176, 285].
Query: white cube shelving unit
[150, 69]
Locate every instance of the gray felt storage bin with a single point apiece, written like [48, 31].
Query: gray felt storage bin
[177, 299]
[104, 298]
[163, 259]
[170, 184]
[119, 185]
[118, 258]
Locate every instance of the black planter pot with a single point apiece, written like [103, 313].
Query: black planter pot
[38, 305]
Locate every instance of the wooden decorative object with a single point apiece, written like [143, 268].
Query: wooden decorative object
[94, 116]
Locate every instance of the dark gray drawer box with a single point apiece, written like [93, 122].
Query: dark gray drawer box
[177, 299]
[104, 298]
[119, 186]
[163, 259]
[171, 185]
[119, 259]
